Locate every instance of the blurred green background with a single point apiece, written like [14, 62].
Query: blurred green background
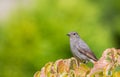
[33, 32]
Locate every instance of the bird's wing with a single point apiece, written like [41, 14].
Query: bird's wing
[84, 49]
[90, 55]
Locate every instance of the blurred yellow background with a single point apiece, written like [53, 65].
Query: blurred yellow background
[33, 32]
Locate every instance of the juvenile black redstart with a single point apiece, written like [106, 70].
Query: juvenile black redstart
[80, 49]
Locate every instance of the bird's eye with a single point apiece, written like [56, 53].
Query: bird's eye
[73, 33]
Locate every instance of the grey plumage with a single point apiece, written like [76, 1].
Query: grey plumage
[80, 49]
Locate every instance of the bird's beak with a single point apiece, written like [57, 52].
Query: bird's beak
[68, 34]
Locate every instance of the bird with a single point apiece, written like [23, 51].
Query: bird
[80, 49]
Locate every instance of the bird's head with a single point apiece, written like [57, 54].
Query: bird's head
[73, 35]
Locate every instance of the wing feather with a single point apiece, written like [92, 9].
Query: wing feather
[84, 49]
